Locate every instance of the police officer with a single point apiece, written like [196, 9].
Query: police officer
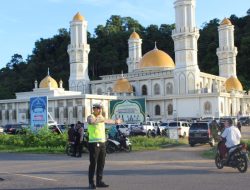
[97, 149]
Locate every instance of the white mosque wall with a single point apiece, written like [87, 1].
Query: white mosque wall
[64, 109]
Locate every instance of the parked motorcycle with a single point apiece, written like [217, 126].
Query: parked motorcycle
[69, 149]
[117, 146]
[237, 158]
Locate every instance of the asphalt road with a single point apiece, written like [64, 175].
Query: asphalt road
[178, 168]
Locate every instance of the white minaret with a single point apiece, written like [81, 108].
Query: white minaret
[227, 52]
[134, 51]
[78, 51]
[185, 36]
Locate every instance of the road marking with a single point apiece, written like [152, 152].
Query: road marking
[36, 177]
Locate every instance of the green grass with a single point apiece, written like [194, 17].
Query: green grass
[139, 143]
[144, 143]
[37, 150]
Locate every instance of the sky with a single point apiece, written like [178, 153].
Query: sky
[23, 22]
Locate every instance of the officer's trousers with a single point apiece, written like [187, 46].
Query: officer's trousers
[97, 154]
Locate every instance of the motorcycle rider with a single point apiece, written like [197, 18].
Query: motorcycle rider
[232, 136]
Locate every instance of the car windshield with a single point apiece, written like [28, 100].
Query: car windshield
[174, 124]
[243, 118]
[164, 124]
[195, 126]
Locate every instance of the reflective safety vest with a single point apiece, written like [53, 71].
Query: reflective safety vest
[97, 132]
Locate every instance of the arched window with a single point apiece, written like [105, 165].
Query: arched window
[134, 91]
[169, 89]
[109, 90]
[182, 84]
[144, 90]
[157, 110]
[191, 84]
[170, 109]
[207, 108]
[157, 90]
[99, 91]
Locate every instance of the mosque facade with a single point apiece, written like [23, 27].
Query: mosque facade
[171, 89]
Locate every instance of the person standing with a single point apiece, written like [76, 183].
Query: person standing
[97, 149]
[78, 140]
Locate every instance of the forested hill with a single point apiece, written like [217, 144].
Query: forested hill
[109, 50]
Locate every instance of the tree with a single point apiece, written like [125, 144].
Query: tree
[15, 60]
[248, 12]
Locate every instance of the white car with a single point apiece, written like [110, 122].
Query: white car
[1, 130]
[181, 126]
[163, 126]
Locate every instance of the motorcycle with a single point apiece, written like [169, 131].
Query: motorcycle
[69, 149]
[114, 145]
[237, 158]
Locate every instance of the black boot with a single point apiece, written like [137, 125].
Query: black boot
[102, 184]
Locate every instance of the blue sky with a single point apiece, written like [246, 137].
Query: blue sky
[22, 22]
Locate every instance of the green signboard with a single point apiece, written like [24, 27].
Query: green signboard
[130, 111]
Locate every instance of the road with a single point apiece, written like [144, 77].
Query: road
[175, 168]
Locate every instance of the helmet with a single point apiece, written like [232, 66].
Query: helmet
[97, 105]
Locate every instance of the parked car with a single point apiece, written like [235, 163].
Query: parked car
[136, 129]
[163, 128]
[1, 130]
[181, 126]
[203, 132]
[124, 128]
[245, 120]
[15, 128]
[150, 126]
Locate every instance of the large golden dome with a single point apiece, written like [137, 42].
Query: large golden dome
[134, 36]
[233, 83]
[225, 21]
[78, 17]
[45, 82]
[122, 85]
[156, 58]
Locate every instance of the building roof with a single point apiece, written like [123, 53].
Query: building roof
[156, 58]
[78, 17]
[134, 35]
[233, 83]
[225, 21]
[45, 82]
[122, 85]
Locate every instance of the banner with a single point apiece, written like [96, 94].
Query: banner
[38, 112]
[130, 111]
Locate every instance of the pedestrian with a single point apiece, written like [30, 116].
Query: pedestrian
[97, 149]
[71, 131]
[78, 133]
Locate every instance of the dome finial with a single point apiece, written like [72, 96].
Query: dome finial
[48, 71]
[156, 46]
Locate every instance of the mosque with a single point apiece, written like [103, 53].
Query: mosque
[171, 89]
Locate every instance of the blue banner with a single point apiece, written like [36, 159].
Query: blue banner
[38, 112]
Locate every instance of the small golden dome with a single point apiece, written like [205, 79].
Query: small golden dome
[122, 85]
[78, 17]
[45, 82]
[156, 58]
[233, 83]
[225, 21]
[134, 36]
